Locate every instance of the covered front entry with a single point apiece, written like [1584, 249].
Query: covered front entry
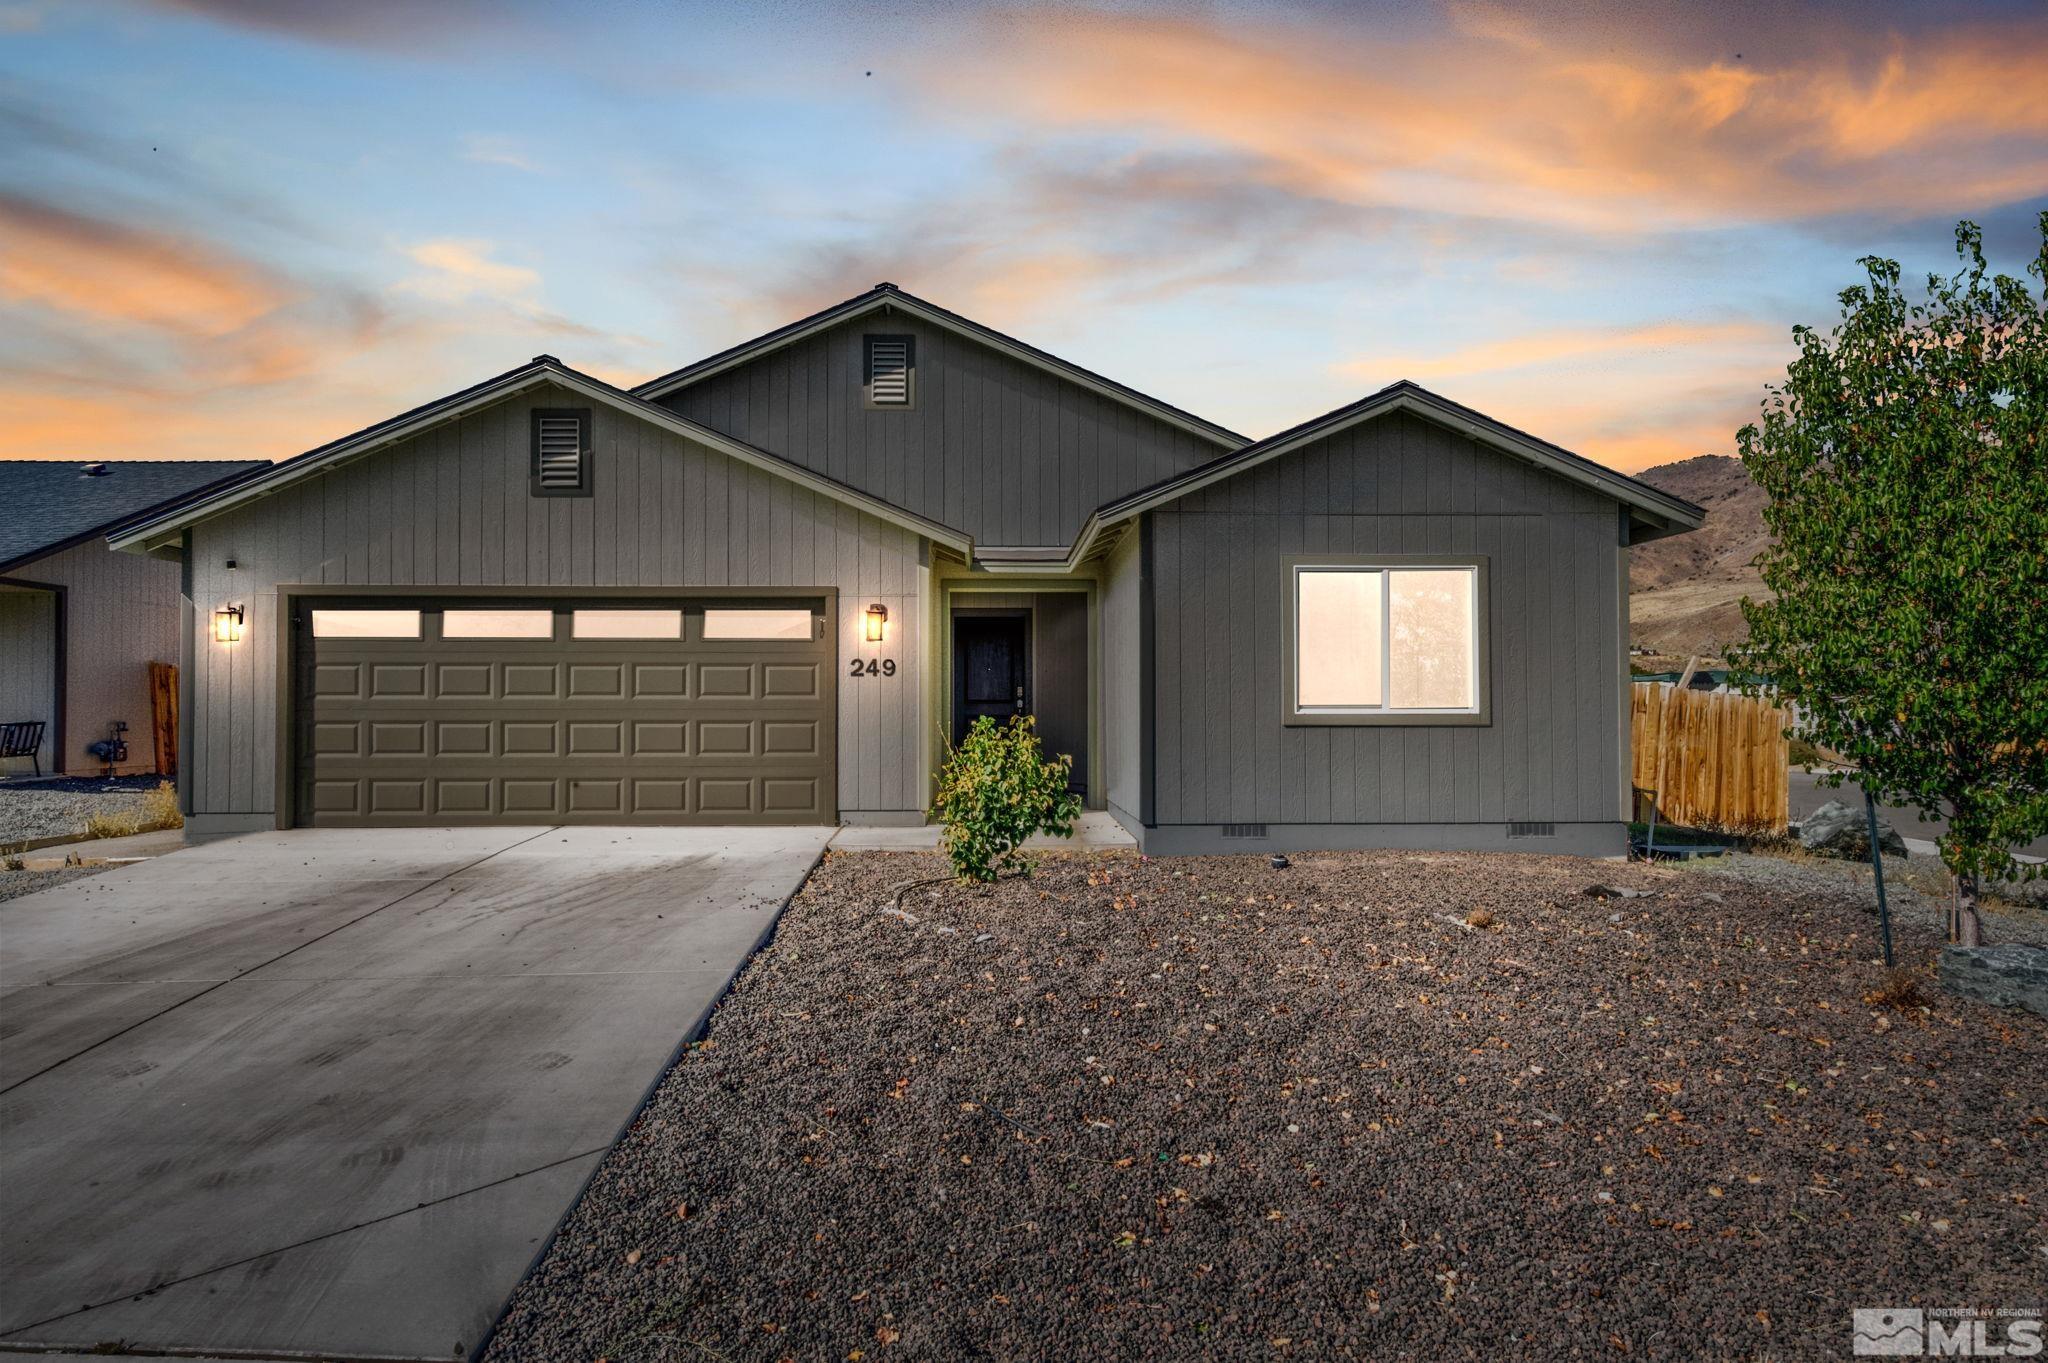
[1025, 653]
[634, 710]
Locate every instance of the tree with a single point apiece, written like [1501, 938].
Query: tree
[1906, 461]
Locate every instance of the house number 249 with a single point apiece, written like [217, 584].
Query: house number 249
[885, 667]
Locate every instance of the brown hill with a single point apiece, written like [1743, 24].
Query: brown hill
[1683, 590]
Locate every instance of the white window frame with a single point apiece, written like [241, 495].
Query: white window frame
[1385, 713]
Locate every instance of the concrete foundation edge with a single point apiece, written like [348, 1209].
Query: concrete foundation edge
[1569, 839]
[882, 818]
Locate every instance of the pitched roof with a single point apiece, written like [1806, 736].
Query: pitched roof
[1653, 513]
[887, 295]
[54, 504]
[158, 530]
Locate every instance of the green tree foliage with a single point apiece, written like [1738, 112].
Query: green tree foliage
[997, 789]
[1906, 460]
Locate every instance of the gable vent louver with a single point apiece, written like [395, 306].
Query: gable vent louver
[561, 453]
[889, 371]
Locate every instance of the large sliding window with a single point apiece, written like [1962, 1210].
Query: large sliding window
[1388, 640]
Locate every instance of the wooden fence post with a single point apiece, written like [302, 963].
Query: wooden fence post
[163, 715]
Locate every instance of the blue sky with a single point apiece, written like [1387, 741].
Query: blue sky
[231, 228]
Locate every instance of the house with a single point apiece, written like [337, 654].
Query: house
[79, 623]
[770, 586]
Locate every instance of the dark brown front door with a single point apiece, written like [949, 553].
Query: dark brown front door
[991, 667]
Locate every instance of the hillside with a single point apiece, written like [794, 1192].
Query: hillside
[1684, 590]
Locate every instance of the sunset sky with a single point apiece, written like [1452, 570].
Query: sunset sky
[238, 229]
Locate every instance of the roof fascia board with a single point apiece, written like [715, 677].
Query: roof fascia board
[860, 307]
[146, 536]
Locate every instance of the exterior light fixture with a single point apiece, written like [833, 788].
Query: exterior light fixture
[227, 623]
[877, 621]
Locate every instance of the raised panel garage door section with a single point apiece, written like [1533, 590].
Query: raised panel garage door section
[644, 711]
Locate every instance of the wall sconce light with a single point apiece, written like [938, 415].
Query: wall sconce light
[227, 623]
[878, 620]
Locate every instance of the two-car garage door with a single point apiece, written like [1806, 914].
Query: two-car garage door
[644, 710]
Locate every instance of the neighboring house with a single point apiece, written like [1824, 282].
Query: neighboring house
[769, 587]
[79, 623]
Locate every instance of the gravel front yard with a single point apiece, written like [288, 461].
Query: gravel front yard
[15, 884]
[1206, 1109]
[59, 810]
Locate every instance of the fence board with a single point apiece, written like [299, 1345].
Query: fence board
[163, 716]
[1714, 759]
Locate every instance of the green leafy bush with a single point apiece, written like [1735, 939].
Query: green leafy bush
[996, 789]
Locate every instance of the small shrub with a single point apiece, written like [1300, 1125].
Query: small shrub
[159, 809]
[996, 789]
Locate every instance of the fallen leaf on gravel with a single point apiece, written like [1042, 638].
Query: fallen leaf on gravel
[885, 1335]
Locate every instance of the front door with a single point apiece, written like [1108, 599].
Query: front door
[991, 667]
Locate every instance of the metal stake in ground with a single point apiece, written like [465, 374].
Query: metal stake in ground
[1884, 913]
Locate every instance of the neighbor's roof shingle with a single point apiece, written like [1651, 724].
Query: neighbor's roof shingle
[46, 505]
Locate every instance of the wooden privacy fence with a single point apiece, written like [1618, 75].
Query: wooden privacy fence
[1715, 759]
[163, 716]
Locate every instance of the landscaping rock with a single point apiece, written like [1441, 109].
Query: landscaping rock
[2008, 976]
[1838, 831]
[1189, 1108]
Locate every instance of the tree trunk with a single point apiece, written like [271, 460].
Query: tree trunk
[1966, 930]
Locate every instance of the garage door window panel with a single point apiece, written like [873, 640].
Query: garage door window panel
[498, 624]
[758, 624]
[629, 624]
[366, 624]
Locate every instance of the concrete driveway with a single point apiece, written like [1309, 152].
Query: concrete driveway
[326, 1092]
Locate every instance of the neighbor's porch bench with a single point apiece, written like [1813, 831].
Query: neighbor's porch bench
[23, 738]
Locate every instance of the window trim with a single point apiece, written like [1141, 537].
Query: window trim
[583, 444]
[1482, 713]
[867, 372]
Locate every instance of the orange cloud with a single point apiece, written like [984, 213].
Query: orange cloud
[1551, 347]
[1506, 120]
[457, 270]
[135, 344]
[111, 273]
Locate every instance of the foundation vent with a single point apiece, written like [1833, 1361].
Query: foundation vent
[1244, 830]
[1532, 830]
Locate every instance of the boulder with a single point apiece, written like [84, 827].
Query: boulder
[1835, 830]
[2009, 976]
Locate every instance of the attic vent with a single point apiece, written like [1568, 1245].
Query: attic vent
[561, 457]
[94, 471]
[890, 359]
[1244, 830]
[1532, 830]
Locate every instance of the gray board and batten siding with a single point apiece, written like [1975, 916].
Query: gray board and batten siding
[450, 508]
[1008, 452]
[1226, 758]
